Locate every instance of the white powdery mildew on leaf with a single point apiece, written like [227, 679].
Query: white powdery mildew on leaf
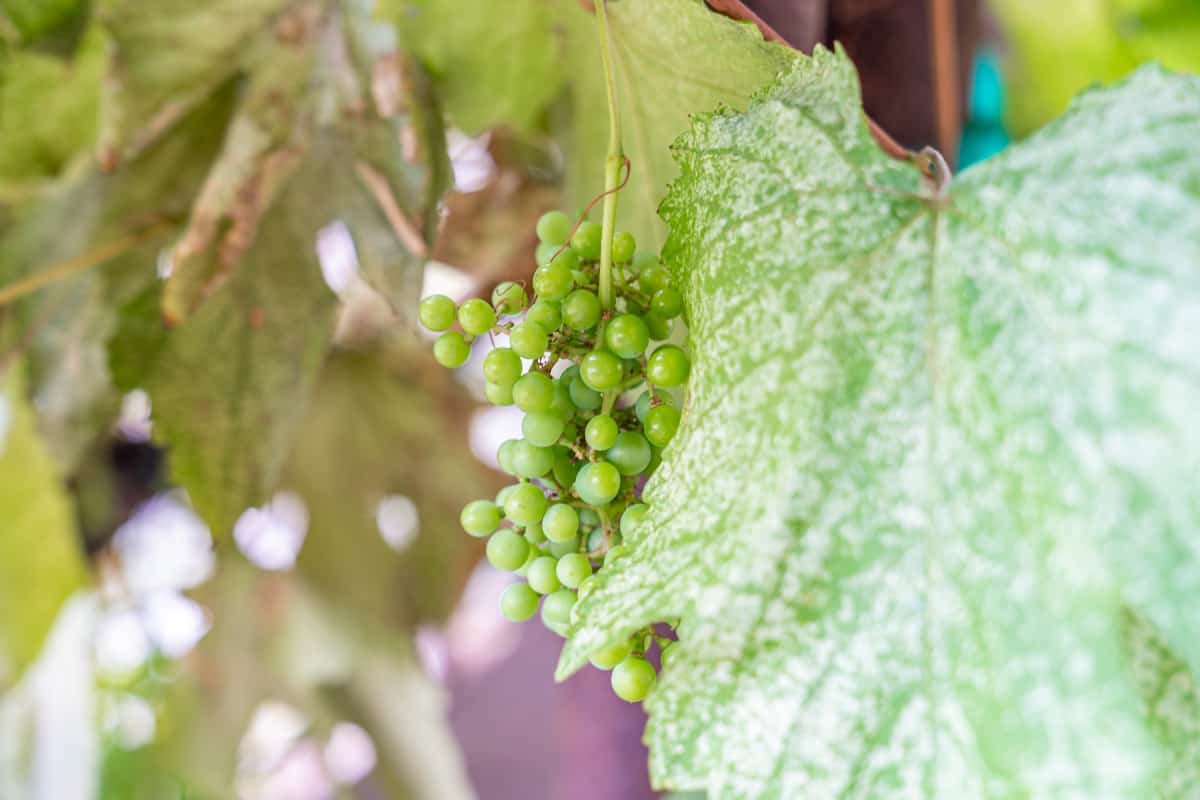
[929, 455]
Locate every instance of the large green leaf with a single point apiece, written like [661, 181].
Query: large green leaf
[931, 447]
[41, 559]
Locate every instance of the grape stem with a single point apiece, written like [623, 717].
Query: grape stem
[613, 161]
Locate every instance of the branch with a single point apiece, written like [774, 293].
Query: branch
[945, 73]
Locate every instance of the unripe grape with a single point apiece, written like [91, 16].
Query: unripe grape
[586, 240]
[544, 252]
[554, 227]
[583, 396]
[565, 469]
[534, 534]
[553, 281]
[503, 494]
[561, 404]
[436, 312]
[518, 602]
[630, 453]
[588, 517]
[581, 310]
[542, 428]
[661, 424]
[508, 298]
[476, 316]
[601, 370]
[451, 350]
[507, 550]
[595, 540]
[667, 366]
[560, 523]
[643, 259]
[480, 517]
[542, 575]
[644, 404]
[633, 678]
[498, 394]
[546, 314]
[557, 606]
[667, 303]
[502, 366]
[623, 247]
[610, 656]
[504, 454]
[533, 391]
[601, 432]
[627, 335]
[530, 461]
[572, 569]
[598, 483]
[528, 340]
[659, 328]
[560, 549]
[525, 505]
[566, 258]
[654, 278]
[632, 517]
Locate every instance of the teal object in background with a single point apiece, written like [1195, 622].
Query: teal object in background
[984, 134]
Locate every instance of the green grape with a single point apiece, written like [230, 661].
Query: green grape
[565, 468]
[644, 404]
[610, 656]
[581, 310]
[632, 517]
[544, 252]
[586, 240]
[583, 396]
[554, 227]
[626, 335]
[600, 370]
[601, 432]
[667, 303]
[530, 557]
[557, 606]
[533, 391]
[560, 549]
[518, 602]
[630, 453]
[623, 247]
[525, 505]
[595, 540]
[451, 350]
[654, 278]
[588, 517]
[598, 483]
[546, 314]
[508, 298]
[643, 259]
[667, 366]
[498, 394]
[502, 366]
[561, 523]
[659, 328]
[534, 533]
[436, 312]
[542, 576]
[542, 428]
[553, 281]
[561, 404]
[503, 494]
[661, 424]
[572, 569]
[507, 550]
[530, 461]
[480, 517]
[528, 340]
[504, 455]
[567, 258]
[633, 678]
[667, 654]
[476, 316]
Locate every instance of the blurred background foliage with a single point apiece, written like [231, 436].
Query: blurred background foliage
[230, 563]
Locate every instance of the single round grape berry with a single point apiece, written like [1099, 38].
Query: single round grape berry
[476, 316]
[601, 370]
[561, 404]
[667, 654]
[508, 298]
[531, 461]
[581, 310]
[623, 247]
[644, 404]
[632, 517]
[554, 227]
[436, 312]
[544, 252]
[498, 394]
[502, 366]
[504, 455]
[542, 428]
[451, 350]
[560, 549]
[583, 396]
[667, 366]
[610, 656]
[633, 678]
[507, 550]
[572, 569]
[557, 606]
[659, 328]
[630, 454]
[546, 314]
[654, 278]
[565, 468]
[661, 424]
[534, 534]
[598, 483]
[528, 339]
[525, 504]
[553, 281]
[542, 575]
[595, 540]
[566, 258]
[627, 335]
[560, 523]
[643, 259]
[601, 432]
[667, 303]
[518, 602]
[588, 516]
[586, 240]
[533, 391]
[480, 517]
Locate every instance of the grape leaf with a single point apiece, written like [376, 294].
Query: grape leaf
[932, 448]
[41, 560]
[32, 18]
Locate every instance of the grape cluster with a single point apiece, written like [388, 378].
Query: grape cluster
[599, 402]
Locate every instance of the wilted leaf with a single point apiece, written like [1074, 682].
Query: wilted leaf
[931, 449]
